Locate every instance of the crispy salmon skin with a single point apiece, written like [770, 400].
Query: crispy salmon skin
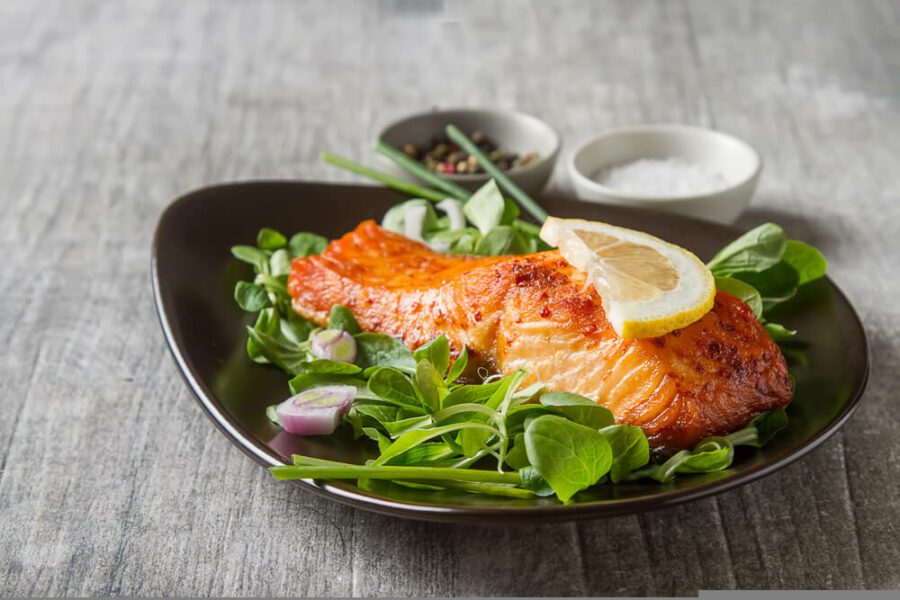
[535, 312]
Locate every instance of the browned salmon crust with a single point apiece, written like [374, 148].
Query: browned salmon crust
[535, 312]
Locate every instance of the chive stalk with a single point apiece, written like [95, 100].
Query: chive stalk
[309, 461]
[393, 472]
[410, 189]
[487, 488]
[524, 200]
[416, 169]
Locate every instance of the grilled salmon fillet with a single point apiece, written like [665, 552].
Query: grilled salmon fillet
[535, 312]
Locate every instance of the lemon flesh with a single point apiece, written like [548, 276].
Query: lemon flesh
[649, 287]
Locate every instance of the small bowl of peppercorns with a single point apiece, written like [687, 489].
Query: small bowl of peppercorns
[523, 147]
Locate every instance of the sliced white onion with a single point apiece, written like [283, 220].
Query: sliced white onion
[454, 210]
[333, 344]
[317, 411]
[414, 221]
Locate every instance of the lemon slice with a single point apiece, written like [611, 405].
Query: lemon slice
[649, 287]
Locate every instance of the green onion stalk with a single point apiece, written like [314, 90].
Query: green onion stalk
[416, 169]
[406, 187]
[524, 200]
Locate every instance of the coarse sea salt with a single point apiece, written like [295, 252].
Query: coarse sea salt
[662, 177]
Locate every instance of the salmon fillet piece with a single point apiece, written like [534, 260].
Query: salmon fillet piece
[535, 312]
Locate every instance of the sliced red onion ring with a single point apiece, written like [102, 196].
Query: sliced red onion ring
[317, 411]
[333, 344]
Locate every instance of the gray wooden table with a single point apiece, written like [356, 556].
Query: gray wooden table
[113, 481]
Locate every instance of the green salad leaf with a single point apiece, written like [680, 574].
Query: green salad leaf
[765, 269]
[517, 456]
[472, 394]
[630, 450]
[342, 318]
[269, 239]
[306, 244]
[380, 350]
[255, 257]
[251, 297]
[325, 366]
[711, 455]
[430, 385]
[437, 352]
[532, 480]
[578, 409]
[776, 284]
[807, 261]
[779, 332]
[742, 290]
[393, 386]
[280, 262]
[768, 425]
[486, 208]
[761, 429]
[458, 367]
[285, 355]
[569, 456]
[755, 251]
[502, 239]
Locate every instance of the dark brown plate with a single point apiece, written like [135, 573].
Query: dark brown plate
[193, 279]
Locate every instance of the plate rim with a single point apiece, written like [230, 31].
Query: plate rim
[473, 514]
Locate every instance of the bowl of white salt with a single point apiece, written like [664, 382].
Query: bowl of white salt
[675, 168]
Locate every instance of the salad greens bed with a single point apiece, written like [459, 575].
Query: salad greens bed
[435, 430]
[496, 436]
[486, 225]
[764, 269]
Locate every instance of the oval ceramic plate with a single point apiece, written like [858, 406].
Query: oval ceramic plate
[194, 276]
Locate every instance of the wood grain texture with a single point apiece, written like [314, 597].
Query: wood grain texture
[113, 482]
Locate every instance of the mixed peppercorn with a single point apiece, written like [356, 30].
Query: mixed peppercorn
[443, 156]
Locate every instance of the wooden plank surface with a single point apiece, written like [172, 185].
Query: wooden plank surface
[112, 481]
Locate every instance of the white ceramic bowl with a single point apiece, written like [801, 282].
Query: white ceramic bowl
[736, 161]
[514, 131]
